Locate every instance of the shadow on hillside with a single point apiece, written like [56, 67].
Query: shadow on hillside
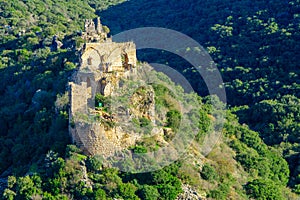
[193, 18]
[169, 14]
[135, 14]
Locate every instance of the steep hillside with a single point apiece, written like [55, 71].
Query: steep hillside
[256, 47]
[255, 43]
[238, 164]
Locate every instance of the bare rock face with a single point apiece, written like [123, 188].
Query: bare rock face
[143, 103]
[189, 194]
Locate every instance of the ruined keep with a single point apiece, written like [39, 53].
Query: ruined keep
[102, 64]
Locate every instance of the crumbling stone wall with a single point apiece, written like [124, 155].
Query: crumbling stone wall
[102, 64]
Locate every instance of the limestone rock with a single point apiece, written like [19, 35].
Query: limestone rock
[143, 103]
[189, 194]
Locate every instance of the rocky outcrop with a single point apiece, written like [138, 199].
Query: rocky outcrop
[190, 194]
[143, 103]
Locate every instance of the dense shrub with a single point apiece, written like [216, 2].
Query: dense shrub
[209, 173]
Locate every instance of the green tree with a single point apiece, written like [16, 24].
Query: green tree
[127, 191]
[262, 189]
[100, 195]
[209, 173]
[148, 192]
[173, 119]
[94, 163]
[26, 187]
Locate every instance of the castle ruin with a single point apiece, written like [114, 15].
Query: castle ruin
[102, 64]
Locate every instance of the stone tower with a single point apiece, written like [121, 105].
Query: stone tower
[93, 31]
[99, 27]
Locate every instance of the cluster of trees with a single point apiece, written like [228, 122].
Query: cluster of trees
[266, 166]
[254, 43]
[79, 177]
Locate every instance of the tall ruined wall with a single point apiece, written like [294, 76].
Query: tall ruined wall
[78, 98]
[78, 104]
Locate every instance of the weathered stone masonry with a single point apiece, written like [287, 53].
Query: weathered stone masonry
[102, 64]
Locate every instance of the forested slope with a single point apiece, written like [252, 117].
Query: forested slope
[256, 47]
